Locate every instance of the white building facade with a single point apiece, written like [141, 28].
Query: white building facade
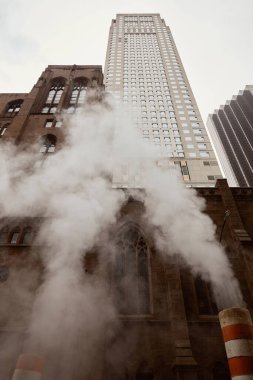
[143, 69]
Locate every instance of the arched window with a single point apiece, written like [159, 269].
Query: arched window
[13, 108]
[205, 298]
[15, 235]
[78, 94]
[131, 273]
[54, 96]
[94, 81]
[27, 236]
[48, 143]
[3, 129]
[221, 372]
[4, 233]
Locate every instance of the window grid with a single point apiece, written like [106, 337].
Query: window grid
[131, 273]
[13, 108]
[53, 98]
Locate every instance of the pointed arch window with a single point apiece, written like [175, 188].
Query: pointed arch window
[205, 298]
[13, 108]
[4, 234]
[15, 236]
[48, 143]
[78, 95]
[27, 236]
[131, 273]
[53, 97]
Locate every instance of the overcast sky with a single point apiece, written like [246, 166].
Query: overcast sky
[214, 39]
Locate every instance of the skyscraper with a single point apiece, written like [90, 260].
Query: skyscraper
[144, 70]
[231, 129]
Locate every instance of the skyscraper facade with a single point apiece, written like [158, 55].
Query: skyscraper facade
[231, 129]
[144, 70]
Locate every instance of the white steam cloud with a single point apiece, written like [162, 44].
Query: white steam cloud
[72, 190]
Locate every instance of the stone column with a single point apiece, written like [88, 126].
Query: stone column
[184, 364]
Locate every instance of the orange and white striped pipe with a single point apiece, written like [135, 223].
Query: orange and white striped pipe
[237, 330]
[28, 367]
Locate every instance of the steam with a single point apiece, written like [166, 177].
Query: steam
[183, 229]
[72, 190]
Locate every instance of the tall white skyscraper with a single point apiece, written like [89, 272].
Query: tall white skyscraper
[143, 69]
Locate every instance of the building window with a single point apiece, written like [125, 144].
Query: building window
[15, 235]
[213, 177]
[27, 236]
[210, 163]
[131, 273]
[4, 234]
[3, 129]
[49, 123]
[53, 97]
[204, 154]
[199, 138]
[48, 143]
[184, 168]
[206, 302]
[13, 108]
[78, 94]
[202, 146]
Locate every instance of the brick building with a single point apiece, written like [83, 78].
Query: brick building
[173, 320]
[24, 117]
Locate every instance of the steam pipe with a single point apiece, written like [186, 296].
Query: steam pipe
[28, 367]
[237, 333]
